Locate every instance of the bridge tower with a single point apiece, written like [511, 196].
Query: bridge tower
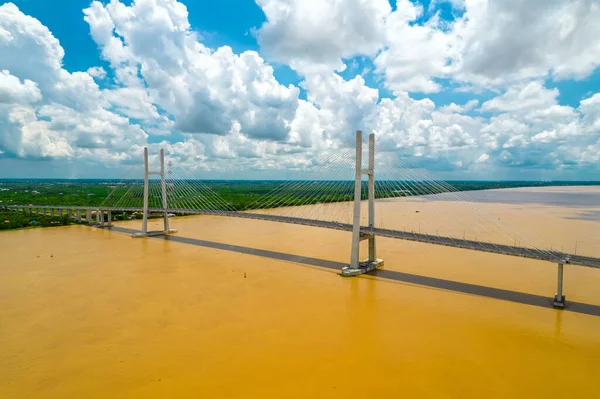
[356, 266]
[147, 174]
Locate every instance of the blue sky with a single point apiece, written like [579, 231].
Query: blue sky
[230, 23]
[469, 91]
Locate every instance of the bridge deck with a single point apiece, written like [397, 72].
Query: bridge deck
[523, 252]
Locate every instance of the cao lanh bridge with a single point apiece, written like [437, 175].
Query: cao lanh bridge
[332, 200]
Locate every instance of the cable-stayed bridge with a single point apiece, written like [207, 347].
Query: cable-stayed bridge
[329, 199]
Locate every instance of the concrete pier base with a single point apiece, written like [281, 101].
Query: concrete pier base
[363, 267]
[105, 222]
[153, 233]
[559, 303]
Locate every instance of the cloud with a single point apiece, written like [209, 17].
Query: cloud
[455, 108]
[97, 72]
[309, 34]
[222, 112]
[533, 131]
[487, 44]
[46, 111]
[590, 108]
[13, 91]
[414, 54]
[132, 102]
[506, 41]
[27, 48]
[522, 98]
[151, 44]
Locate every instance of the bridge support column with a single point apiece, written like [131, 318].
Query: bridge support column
[109, 218]
[163, 189]
[78, 215]
[44, 211]
[88, 216]
[371, 189]
[52, 212]
[357, 267]
[146, 182]
[559, 298]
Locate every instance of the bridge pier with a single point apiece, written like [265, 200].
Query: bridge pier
[88, 216]
[357, 267]
[78, 215]
[44, 211]
[559, 298]
[52, 212]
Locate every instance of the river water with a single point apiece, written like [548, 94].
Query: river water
[235, 308]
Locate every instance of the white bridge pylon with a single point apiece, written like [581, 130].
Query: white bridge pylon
[163, 189]
[357, 267]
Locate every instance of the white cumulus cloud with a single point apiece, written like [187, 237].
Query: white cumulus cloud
[222, 111]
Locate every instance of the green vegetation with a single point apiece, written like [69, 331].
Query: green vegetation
[53, 192]
[238, 194]
[19, 220]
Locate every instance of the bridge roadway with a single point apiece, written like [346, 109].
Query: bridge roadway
[523, 252]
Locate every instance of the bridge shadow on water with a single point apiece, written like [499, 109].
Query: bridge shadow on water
[456, 286]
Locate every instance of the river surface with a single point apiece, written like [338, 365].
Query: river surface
[236, 308]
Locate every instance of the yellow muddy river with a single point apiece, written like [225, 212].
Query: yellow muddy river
[250, 309]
